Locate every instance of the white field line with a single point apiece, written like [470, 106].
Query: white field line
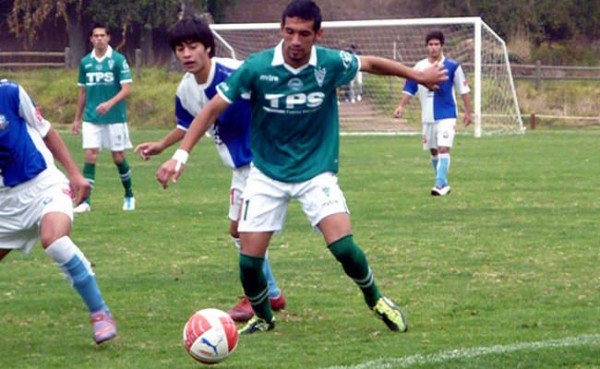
[467, 353]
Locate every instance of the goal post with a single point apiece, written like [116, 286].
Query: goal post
[370, 107]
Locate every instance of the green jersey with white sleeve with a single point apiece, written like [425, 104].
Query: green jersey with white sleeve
[102, 78]
[294, 134]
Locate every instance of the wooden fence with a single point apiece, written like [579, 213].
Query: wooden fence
[62, 59]
[35, 59]
[539, 73]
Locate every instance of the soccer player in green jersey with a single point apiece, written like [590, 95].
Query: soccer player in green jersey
[295, 141]
[104, 84]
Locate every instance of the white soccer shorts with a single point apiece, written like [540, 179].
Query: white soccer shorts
[265, 201]
[440, 133]
[22, 208]
[114, 137]
[238, 183]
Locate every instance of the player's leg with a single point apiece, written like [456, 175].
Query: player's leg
[55, 227]
[434, 160]
[430, 143]
[243, 310]
[325, 206]
[92, 142]
[445, 139]
[263, 212]
[4, 252]
[118, 141]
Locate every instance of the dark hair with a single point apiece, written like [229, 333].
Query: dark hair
[192, 29]
[99, 25]
[437, 35]
[303, 9]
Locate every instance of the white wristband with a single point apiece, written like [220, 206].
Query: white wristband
[181, 156]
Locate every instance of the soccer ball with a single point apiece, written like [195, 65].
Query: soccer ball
[210, 336]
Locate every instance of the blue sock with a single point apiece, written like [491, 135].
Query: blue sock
[434, 163]
[273, 289]
[85, 283]
[78, 270]
[441, 178]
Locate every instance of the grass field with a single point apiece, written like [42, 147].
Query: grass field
[503, 273]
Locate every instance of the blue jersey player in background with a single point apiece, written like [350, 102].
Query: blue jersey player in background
[438, 109]
[36, 198]
[193, 44]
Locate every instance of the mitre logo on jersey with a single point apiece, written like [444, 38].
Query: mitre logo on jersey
[268, 78]
[320, 75]
[3, 122]
[125, 66]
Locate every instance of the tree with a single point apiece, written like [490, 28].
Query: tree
[28, 17]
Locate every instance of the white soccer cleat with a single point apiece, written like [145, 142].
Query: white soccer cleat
[440, 190]
[129, 204]
[84, 207]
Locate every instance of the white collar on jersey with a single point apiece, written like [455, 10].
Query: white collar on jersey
[107, 54]
[279, 60]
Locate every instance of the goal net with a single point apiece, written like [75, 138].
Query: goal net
[369, 106]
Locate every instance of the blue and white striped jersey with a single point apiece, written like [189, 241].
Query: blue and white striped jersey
[23, 153]
[231, 131]
[439, 104]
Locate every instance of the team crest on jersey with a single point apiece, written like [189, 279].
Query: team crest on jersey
[346, 58]
[295, 84]
[111, 64]
[38, 114]
[3, 122]
[320, 75]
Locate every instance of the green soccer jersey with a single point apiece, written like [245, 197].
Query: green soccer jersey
[102, 79]
[294, 134]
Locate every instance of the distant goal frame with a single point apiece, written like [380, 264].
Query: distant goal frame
[478, 25]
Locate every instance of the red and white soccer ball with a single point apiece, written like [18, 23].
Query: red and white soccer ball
[210, 336]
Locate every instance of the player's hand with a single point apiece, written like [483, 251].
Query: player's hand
[148, 149]
[170, 169]
[81, 188]
[433, 75]
[75, 128]
[467, 119]
[103, 108]
[398, 112]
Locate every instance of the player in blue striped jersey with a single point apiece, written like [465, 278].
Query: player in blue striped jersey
[294, 138]
[36, 198]
[193, 44]
[438, 109]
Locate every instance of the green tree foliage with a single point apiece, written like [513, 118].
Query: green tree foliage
[28, 16]
[544, 20]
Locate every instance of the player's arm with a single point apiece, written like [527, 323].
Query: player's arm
[429, 77]
[56, 145]
[81, 96]
[122, 95]
[462, 87]
[400, 109]
[173, 167]
[468, 109]
[148, 149]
